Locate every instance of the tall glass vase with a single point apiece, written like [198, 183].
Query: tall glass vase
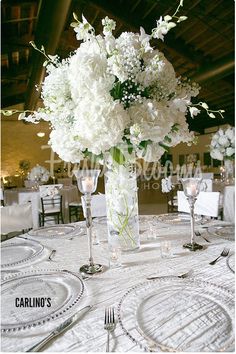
[122, 206]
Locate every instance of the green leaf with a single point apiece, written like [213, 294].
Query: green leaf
[166, 148]
[117, 155]
[166, 138]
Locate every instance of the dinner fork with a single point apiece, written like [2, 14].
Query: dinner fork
[109, 324]
[224, 253]
[197, 233]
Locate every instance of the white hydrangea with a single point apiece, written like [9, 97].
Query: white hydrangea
[100, 123]
[63, 141]
[223, 144]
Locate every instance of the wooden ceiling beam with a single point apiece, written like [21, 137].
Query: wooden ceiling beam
[215, 71]
[119, 14]
[51, 21]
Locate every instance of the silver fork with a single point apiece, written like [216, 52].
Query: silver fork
[224, 253]
[197, 233]
[109, 324]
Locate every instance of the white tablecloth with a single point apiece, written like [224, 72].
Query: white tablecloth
[24, 195]
[107, 288]
[229, 203]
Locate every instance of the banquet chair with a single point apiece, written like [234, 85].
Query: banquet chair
[98, 205]
[2, 196]
[172, 201]
[207, 204]
[15, 220]
[51, 204]
[75, 209]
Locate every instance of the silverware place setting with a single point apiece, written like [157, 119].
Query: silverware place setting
[109, 324]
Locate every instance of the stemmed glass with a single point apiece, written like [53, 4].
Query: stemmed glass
[87, 184]
[191, 188]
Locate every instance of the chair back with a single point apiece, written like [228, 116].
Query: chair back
[16, 218]
[50, 190]
[207, 203]
[52, 204]
[98, 205]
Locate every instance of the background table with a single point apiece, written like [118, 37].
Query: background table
[24, 195]
[107, 288]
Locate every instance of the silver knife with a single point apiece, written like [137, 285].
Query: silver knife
[60, 329]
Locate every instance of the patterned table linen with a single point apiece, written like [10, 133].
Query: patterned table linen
[107, 288]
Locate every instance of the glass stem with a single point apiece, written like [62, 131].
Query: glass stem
[89, 226]
[191, 204]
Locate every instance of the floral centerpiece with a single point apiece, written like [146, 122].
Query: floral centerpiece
[39, 174]
[114, 95]
[223, 148]
[223, 144]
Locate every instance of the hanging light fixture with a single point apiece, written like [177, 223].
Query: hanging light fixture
[40, 134]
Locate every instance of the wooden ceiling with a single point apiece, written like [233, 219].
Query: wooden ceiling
[201, 48]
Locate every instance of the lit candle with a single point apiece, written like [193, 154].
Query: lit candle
[191, 190]
[87, 184]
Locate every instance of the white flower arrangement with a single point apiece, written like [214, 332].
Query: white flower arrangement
[39, 174]
[116, 90]
[223, 144]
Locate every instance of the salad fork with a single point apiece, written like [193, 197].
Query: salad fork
[224, 253]
[109, 324]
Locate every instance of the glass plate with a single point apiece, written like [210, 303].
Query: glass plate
[64, 289]
[177, 218]
[225, 232]
[16, 254]
[172, 314]
[231, 262]
[56, 231]
[101, 220]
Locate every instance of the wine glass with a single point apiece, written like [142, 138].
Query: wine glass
[191, 188]
[87, 184]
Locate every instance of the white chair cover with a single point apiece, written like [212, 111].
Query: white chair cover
[1, 194]
[207, 203]
[16, 218]
[206, 185]
[98, 205]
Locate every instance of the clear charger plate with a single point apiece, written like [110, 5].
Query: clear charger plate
[55, 231]
[231, 262]
[171, 314]
[64, 288]
[177, 218]
[20, 253]
[226, 232]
